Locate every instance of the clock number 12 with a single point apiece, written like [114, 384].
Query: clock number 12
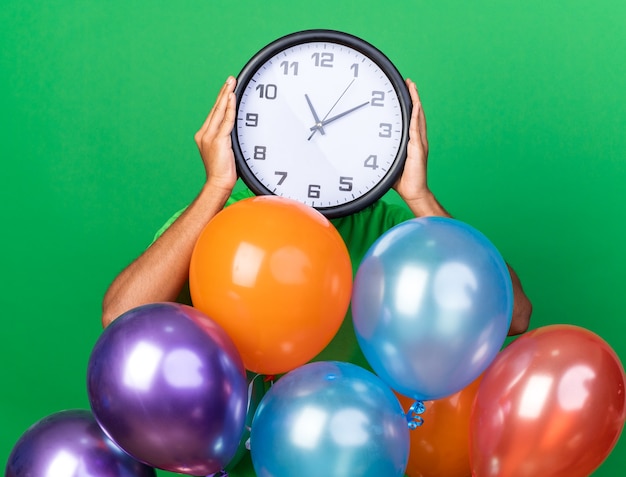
[325, 60]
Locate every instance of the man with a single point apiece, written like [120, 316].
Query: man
[160, 273]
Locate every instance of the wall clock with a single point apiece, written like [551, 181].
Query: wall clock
[322, 118]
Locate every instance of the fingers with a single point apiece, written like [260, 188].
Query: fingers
[228, 120]
[415, 98]
[415, 112]
[418, 118]
[218, 111]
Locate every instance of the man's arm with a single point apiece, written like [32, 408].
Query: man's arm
[160, 272]
[412, 187]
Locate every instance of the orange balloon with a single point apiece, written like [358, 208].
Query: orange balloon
[440, 446]
[551, 404]
[277, 276]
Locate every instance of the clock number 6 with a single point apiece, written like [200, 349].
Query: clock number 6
[314, 191]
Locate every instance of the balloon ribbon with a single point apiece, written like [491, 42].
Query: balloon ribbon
[413, 415]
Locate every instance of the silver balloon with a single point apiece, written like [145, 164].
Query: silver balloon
[329, 419]
[431, 304]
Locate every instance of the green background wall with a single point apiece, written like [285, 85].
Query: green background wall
[526, 107]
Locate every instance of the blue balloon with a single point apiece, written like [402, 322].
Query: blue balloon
[329, 418]
[432, 304]
[70, 444]
[168, 386]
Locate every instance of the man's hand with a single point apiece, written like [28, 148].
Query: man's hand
[214, 142]
[413, 185]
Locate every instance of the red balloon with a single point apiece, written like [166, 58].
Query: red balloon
[551, 404]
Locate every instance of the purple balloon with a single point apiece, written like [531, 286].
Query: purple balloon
[167, 384]
[71, 444]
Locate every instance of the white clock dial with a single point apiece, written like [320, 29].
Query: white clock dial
[319, 122]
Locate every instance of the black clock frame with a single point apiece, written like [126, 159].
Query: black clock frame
[362, 46]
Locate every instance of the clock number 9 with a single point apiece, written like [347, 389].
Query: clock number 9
[268, 91]
[252, 119]
[325, 60]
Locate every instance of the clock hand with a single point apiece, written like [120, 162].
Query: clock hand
[318, 123]
[339, 99]
[316, 127]
[340, 115]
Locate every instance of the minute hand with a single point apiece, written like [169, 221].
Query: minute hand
[340, 115]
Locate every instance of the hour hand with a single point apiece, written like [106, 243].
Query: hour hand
[318, 123]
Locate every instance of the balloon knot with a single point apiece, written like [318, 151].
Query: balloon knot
[269, 378]
[221, 473]
[413, 417]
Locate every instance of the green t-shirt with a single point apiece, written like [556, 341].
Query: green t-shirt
[359, 232]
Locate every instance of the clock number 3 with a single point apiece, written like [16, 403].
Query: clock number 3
[385, 130]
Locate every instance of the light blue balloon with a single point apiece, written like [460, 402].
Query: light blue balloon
[329, 419]
[432, 303]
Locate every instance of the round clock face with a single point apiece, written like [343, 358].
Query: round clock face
[322, 118]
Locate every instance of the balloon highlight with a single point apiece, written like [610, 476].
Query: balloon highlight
[276, 275]
[329, 418]
[431, 305]
[552, 403]
[168, 386]
[71, 443]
